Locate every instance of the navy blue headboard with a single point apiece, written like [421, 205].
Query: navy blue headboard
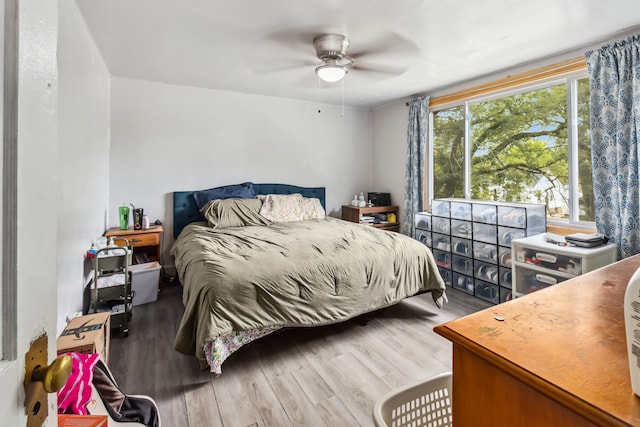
[185, 210]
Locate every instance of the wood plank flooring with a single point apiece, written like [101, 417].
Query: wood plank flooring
[323, 376]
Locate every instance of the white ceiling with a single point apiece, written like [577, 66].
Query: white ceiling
[265, 46]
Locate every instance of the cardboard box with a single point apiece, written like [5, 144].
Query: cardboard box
[87, 334]
[145, 279]
[69, 420]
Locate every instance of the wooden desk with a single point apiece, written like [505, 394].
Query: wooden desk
[559, 358]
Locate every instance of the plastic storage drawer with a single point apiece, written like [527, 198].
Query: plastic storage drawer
[446, 275]
[462, 247]
[505, 294]
[485, 271]
[462, 264]
[484, 213]
[424, 237]
[463, 283]
[487, 291]
[422, 221]
[504, 256]
[443, 259]
[441, 241]
[547, 259]
[440, 208]
[485, 232]
[441, 225]
[505, 276]
[461, 228]
[507, 234]
[532, 279]
[529, 216]
[460, 210]
[485, 252]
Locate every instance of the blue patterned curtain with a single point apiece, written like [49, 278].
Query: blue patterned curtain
[614, 72]
[417, 132]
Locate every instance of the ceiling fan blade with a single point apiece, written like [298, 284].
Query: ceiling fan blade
[395, 70]
[391, 47]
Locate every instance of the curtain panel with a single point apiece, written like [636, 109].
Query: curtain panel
[614, 72]
[417, 131]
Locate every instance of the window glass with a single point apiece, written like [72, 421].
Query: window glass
[448, 152]
[585, 182]
[519, 149]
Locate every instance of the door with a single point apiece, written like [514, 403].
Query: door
[28, 290]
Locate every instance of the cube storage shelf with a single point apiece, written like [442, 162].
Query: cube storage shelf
[471, 242]
[539, 264]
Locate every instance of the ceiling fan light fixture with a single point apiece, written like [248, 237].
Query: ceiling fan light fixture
[331, 72]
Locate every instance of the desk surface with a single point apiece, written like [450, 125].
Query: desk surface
[567, 342]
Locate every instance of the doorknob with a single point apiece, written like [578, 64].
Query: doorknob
[54, 376]
[40, 379]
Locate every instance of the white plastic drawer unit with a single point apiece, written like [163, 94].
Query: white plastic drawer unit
[422, 221]
[460, 228]
[441, 241]
[441, 225]
[424, 237]
[537, 264]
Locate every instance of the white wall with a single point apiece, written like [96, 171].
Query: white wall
[168, 138]
[83, 155]
[389, 151]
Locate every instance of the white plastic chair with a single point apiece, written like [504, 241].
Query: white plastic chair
[425, 404]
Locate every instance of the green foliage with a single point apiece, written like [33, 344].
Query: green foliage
[517, 143]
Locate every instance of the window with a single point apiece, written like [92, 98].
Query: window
[530, 145]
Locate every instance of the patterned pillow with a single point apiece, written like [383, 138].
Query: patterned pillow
[312, 209]
[282, 207]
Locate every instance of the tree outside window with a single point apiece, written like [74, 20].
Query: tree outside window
[518, 149]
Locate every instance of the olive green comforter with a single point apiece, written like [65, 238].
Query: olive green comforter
[292, 274]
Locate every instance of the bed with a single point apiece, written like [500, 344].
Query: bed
[243, 280]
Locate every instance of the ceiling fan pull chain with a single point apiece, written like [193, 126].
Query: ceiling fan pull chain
[342, 100]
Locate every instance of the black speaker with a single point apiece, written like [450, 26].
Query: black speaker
[379, 199]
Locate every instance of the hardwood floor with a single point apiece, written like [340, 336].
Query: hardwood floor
[323, 376]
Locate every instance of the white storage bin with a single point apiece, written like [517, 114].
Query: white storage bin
[145, 279]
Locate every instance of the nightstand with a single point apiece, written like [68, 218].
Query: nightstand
[355, 214]
[146, 244]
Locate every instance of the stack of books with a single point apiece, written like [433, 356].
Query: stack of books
[367, 219]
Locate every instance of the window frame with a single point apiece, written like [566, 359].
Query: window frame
[570, 79]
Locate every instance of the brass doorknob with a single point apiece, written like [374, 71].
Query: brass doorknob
[54, 376]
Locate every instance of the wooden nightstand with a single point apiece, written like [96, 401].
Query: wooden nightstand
[144, 242]
[354, 214]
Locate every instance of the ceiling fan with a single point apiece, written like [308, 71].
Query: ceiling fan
[331, 49]
[388, 55]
